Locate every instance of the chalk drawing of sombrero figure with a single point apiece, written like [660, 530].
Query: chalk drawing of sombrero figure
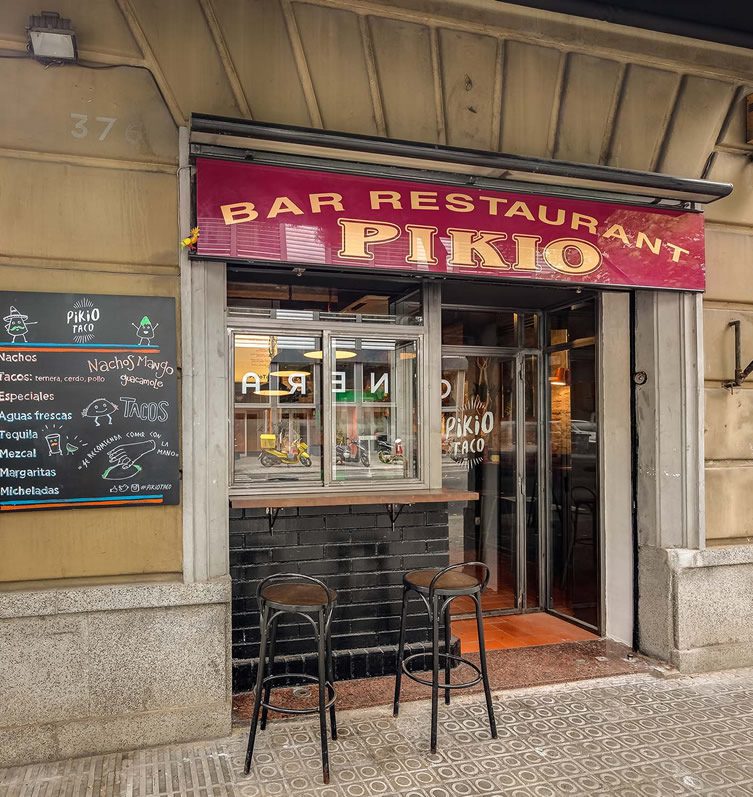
[145, 331]
[17, 325]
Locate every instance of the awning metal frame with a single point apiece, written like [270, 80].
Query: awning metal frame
[218, 136]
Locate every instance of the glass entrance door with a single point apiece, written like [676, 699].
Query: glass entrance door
[520, 427]
[490, 436]
[574, 571]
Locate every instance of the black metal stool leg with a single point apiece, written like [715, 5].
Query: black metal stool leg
[259, 689]
[484, 672]
[269, 670]
[447, 653]
[434, 671]
[322, 654]
[331, 678]
[400, 655]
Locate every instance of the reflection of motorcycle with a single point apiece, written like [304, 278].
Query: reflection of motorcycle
[350, 449]
[297, 454]
[386, 453]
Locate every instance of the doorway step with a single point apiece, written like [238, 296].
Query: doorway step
[511, 668]
[519, 631]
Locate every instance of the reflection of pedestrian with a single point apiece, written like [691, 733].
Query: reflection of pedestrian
[16, 326]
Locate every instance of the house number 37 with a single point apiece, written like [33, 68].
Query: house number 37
[100, 128]
[81, 124]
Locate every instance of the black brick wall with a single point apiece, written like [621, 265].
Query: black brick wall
[354, 550]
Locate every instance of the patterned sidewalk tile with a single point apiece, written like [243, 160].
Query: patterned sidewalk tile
[630, 736]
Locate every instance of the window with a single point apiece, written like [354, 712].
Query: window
[322, 401]
[464, 327]
[375, 409]
[326, 298]
[277, 398]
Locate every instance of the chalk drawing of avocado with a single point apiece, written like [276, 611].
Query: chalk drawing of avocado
[99, 409]
[145, 331]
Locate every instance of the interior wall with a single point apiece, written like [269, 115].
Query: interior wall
[88, 199]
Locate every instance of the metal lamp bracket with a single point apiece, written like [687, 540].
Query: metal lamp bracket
[741, 374]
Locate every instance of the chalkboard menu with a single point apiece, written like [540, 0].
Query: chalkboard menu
[88, 401]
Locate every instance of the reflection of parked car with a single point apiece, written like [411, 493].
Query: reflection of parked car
[585, 429]
[583, 437]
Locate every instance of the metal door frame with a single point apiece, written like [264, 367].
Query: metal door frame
[545, 460]
[518, 356]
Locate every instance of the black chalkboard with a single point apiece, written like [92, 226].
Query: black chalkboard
[88, 401]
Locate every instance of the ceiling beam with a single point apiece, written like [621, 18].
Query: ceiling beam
[367, 42]
[231, 73]
[150, 60]
[299, 55]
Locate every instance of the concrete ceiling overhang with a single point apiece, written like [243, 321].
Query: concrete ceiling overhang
[468, 73]
[723, 22]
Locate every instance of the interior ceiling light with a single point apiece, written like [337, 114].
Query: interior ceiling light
[51, 38]
[340, 354]
[287, 373]
[271, 391]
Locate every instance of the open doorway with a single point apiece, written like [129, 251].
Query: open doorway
[519, 426]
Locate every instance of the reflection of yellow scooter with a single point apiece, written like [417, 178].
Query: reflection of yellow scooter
[298, 453]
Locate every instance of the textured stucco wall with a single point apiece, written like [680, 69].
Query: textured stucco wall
[728, 424]
[88, 164]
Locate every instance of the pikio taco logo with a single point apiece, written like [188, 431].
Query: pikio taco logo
[82, 320]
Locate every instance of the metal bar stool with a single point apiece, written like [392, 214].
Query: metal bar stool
[437, 589]
[292, 593]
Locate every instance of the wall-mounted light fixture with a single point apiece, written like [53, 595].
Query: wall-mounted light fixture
[51, 38]
[560, 377]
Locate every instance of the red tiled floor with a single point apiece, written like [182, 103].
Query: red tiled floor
[500, 592]
[518, 631]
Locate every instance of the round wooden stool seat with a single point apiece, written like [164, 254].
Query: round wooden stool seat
[452, 581]
[297, 593]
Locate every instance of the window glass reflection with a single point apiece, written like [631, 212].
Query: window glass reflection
[462, 327]
[479, 453]
[292, 298]
[574, 457]
[375, 409]
[277, 435]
